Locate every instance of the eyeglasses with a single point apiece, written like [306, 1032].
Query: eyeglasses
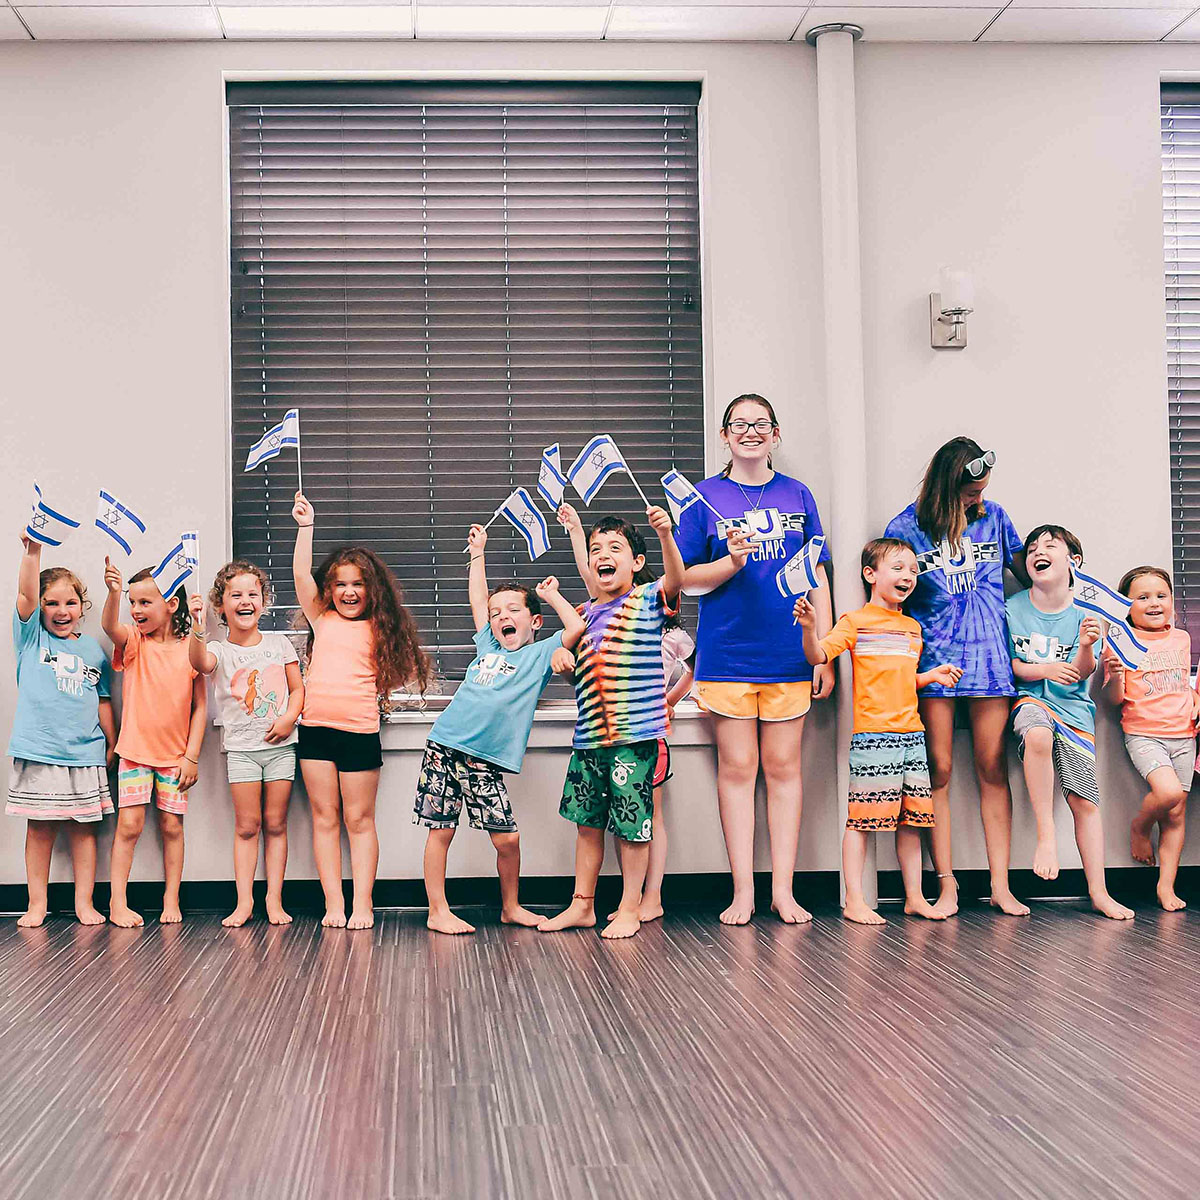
[762, 426]
[978, 467]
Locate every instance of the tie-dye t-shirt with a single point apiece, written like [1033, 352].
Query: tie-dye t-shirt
[619, 685]
[959, 601]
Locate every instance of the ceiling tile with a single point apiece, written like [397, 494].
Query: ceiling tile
[1189, 31]
[920, 5]
[1180, 4]
[111, 24]
[11, 30]
[474, 21]
[703, 23]
[893, 24]
[1083, 24]
[315, 21]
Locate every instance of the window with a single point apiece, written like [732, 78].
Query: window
[1181, 239]
[444, 279]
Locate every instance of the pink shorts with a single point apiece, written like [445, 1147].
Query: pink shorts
[137, 784]
[662, 767]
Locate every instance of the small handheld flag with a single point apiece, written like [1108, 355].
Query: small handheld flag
[170, 574]
[1097, 598]
[552, 483]
[1125, 645]
[119, 521]
[681, 495]
[798, 576]
[46, 525]
[286, 433]
[520, 511]
[599, 459]
[191, 551]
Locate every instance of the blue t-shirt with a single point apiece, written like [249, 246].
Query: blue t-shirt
[745, 632]
[60, 683]
[1042, 637]
[491, 714]
[959, 601]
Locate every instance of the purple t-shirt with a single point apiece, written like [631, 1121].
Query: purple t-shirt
[745, 632]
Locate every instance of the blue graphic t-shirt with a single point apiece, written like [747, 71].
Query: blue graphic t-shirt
[1042, 637]
[60, 683]
[491, 714]
[745, 632]
[959, 601]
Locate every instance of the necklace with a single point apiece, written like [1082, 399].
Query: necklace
[754, 504]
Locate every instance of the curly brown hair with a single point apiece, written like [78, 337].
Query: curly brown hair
[226, 575]
[52, 575]
[181, 619]
[400, 660]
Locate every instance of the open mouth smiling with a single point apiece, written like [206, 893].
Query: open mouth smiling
[1041, 564]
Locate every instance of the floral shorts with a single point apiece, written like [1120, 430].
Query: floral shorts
[612, 787]
[449, 779]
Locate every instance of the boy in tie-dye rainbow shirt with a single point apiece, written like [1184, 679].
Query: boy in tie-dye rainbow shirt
[620, 691]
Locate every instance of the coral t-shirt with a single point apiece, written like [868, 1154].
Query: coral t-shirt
[340, 690]
[1158, 697]
[157, 698]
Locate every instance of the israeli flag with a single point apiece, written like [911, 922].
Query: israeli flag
[681, 494]
[798, 575]
[599, 459]
[119, 521]
[286, 433]
[1125, 645]
[1097, 598]
[174, 569]
[46, 525]
[191, 550]
[552, 483]
[520, 512]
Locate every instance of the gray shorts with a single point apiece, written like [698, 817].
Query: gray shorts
[268, 765]
[1074, 761]
[1149, 753]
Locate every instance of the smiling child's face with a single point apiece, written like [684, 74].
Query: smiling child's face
[1151, 604]
[62, 609]
[893, 578]
[1049, 561]
[242, 603]
[150, 612]
[613, 563]
[349, 592]
[512, 623]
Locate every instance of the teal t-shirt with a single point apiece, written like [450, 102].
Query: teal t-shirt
[1040, 637]
[60, 683]
[491, 714]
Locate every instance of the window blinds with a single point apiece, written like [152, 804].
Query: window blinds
[444, 279]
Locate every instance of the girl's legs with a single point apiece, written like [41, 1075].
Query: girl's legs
[908, 853]
[508, 867]
[634, 857]
[989, 721]
[441, 919]
[737, 771]
[854, 860]
[39, 845]
[589, 858]
[321, 783]
[170, 828]
[247, 821]
[1089, 837]
[779, 750]
[1165, 804]
[275, 813]
[82, 839]
[937, 714]
[130, 822]
[1039, 779]
[651, 908]
[359, 789]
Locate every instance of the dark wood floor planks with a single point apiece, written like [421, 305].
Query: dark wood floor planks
[1056, 1056]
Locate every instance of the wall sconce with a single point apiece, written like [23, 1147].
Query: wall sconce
[948, 309]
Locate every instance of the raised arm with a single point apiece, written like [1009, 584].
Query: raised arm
[477, 588]
[573, 624]
[199, 655]
[673, 570]
[28, 591]
[568, 518]
[302, 556]
[110, 615]
[702, 578]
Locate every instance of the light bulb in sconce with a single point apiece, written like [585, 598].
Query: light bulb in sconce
[948, 309]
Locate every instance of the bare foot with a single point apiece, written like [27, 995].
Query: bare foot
[444, 921]
[946, 905]
[520, 916]
[624, 925]
[651, 911]
[276, 914]
[239, 916]
[920, 907]
[861, 913]
[170, 915]
[789, 912]
[32, 917]
[361, 920]
[579, 914]
[1139, 843]
[1106, 906]
[740, 911]
[334, 918]
[1168, 899]
[124, 916]
[88, 914]
[1045, 860]
[1007, 903]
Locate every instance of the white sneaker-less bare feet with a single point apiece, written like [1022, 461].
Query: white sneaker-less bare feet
[862, 913]
[444, 921]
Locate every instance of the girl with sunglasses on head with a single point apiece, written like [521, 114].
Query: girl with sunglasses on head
[751, 673]
[964, 544]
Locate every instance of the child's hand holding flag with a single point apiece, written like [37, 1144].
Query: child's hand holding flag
[803, 613]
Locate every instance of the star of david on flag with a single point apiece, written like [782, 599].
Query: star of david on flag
[119, 521]
[47, 525]
[177, 564]
[599, 459]
[798, 576]
[552, 483]
[1095, 597]
[523, 515]
[286, 433]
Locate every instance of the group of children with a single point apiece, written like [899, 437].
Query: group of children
[629, 661]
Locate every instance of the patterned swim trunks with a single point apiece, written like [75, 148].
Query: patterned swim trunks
[612, 787]
[889, 781]
[449, 779]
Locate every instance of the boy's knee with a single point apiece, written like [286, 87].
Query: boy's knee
[1039, 740]
[507, 843]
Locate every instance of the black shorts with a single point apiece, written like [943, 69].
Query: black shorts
[347, 751]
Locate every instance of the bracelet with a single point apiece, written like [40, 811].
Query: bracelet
[476, 557]
[194, 761]
[305, 524]
[199, 634]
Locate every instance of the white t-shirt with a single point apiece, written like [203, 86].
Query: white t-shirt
[250, 685]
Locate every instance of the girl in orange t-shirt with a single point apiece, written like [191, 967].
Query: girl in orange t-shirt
[362, 644]
[1159, 709]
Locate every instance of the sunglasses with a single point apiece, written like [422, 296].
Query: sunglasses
[977, 468]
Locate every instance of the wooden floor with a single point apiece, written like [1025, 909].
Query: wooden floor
[1052, 1057]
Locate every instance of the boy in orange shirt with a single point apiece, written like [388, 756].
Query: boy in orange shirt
[889, 772]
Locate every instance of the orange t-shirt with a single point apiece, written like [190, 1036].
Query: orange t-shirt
[1158, 697]
[157, 698]
[340, 691]
[885, 647]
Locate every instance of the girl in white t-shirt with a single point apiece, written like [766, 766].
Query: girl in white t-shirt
[259, 695]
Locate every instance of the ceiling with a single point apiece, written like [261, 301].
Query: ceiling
[589, 20]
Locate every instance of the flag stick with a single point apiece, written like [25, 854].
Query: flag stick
[487, 526]
[637, 485]
[709, 506]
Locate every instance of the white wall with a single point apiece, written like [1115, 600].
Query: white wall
[1036, 167]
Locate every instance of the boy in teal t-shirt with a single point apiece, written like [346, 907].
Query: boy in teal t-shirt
[484, 730]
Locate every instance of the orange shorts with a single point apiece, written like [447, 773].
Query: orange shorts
[761, 701]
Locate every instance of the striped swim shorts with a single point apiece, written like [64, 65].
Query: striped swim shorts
[889, 782]
[138, 784]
